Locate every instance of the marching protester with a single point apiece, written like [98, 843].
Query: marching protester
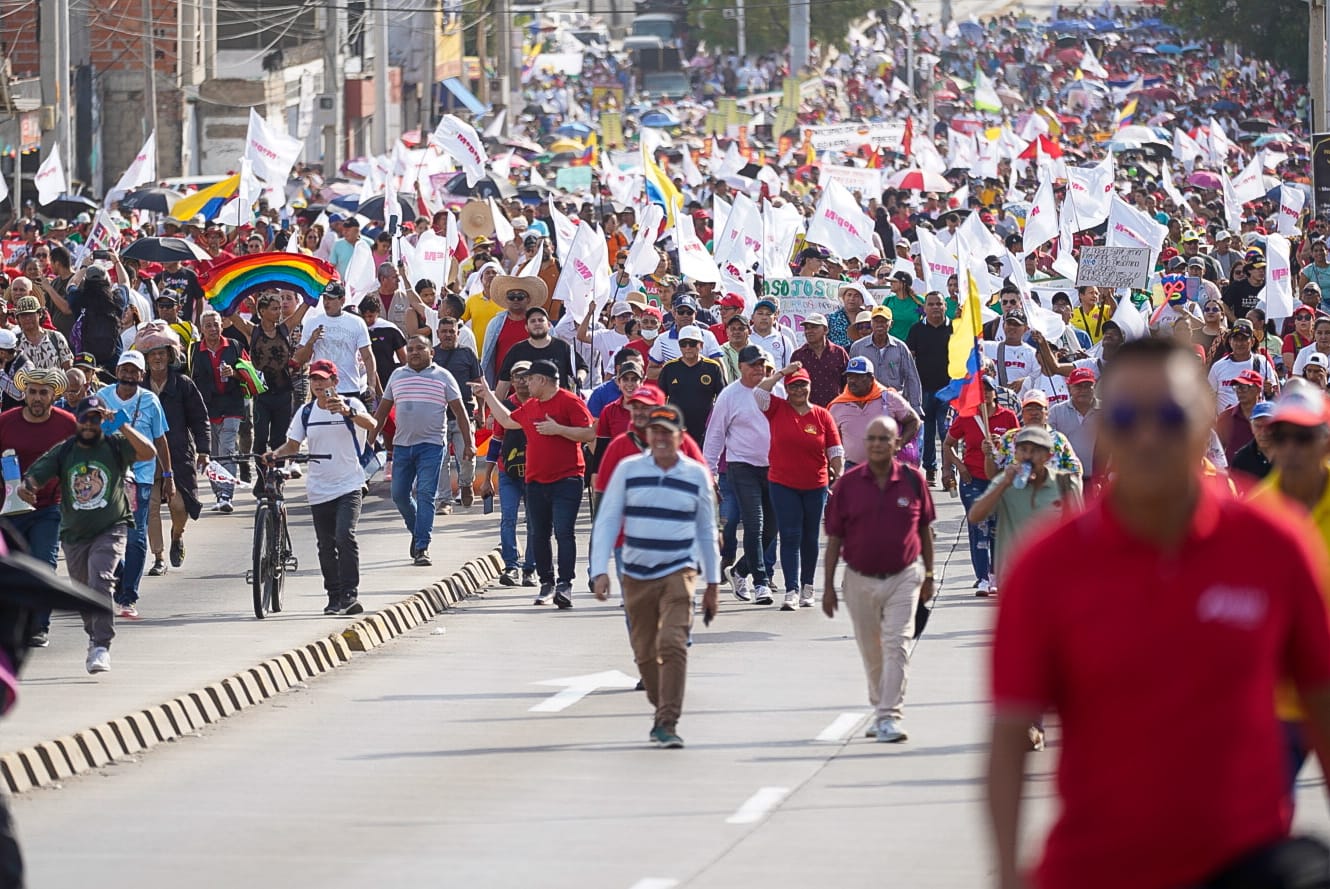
[213, 369]
[862, 401]
[342, 338]
[507, 455]
[95, 514]
[460, 361]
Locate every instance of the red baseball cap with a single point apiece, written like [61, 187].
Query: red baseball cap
[797, 376]
[646, 394]
[1249, 377]
[1080, 375]
[653, 312]
[1300, 407]
[731, 301]
[322, 369]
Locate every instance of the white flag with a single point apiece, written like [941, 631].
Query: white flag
[642, 256]
[1290, 209]
[961, 151]
[1166, 182]
[1219, 144]
[534, 177]
[720, 213]
[732, 164]
[432, 258]
[532, 268]
[692, 176]
[1248, 185]
[361, 276]
[584, 279]
[392, 207]
[1065, 263]
[783, 226]
[503, 229]
[459, 139]
[741, 240]
[1090, 64]
[564, 232]
[142, 170]
[1278, 291]
[1129, 227]
[1090, 191]
[839, 224]
[273, 154]
[50, 178]
[1186, 149]
[938, 261]
[694, 260]
[1041, 224]
[240, 209]
[1232, 206]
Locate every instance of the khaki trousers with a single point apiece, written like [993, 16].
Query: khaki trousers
[178, 517]
[882, 612]
[660, 614]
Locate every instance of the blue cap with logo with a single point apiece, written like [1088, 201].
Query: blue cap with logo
[859, 365]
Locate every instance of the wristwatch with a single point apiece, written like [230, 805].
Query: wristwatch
[928, 575]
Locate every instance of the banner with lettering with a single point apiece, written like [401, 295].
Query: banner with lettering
[801, 297]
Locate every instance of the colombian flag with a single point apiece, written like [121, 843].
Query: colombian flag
[588, 156]
[964, 361]
[660, 190]
[207, 202]
[1126, 114]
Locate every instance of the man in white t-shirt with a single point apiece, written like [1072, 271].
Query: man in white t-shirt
[1224, 371]
[337, 426]
[1014, 358]
[768, 333]
[605, 342]
[340, 337]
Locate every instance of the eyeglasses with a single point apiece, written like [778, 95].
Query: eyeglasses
[1283, 433]
[1127, 416]
[518, 296]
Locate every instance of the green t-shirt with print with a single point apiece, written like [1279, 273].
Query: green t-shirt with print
[92, 485]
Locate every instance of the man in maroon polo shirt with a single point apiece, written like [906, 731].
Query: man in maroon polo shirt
[878, 517]
[1169, 634]
[824, 360]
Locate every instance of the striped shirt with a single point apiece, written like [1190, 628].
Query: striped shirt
[667, 517]
[421, 399]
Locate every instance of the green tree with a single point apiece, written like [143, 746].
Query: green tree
[1274, 30]
[767, 22]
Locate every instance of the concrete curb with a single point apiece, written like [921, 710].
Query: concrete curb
[56, 760]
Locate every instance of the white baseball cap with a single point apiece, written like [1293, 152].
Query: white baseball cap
[134, 358]
[621, 308]
[691, 332]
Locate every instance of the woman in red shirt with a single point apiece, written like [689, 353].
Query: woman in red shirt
[805, 458]
[969, 432]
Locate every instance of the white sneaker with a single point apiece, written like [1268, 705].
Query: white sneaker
[443, 507]
[99, 659]
[982, 590]
[225, 506]
[762, 595]
[806, 596]
[891, 731]
[743, 589]
[791, 601]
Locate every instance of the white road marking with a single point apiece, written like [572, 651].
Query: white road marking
[578, 687]
[841, 727]
[655, 883]
[758, 805]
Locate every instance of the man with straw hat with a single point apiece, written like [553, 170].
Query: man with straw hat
[506, 330]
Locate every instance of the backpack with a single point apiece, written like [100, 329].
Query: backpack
[365, 455]
[97, 331]
[513, 451]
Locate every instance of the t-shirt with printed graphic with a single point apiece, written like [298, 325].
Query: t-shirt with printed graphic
[1020, 361]
[92, 485]
[343, 338]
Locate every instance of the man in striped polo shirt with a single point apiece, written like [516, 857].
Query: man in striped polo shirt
[661, 502]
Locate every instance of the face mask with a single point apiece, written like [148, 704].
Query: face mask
[649, 335]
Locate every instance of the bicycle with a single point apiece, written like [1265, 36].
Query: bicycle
[272, 553]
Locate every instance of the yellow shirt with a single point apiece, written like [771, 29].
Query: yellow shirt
[480, 311]
[1092, 322]
[1287, 706]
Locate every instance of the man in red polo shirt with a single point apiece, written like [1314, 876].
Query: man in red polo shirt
[1136, 617]
[878, 517]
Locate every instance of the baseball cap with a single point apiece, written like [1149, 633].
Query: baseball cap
[1242, 325]
[1223, 235]
[754, 355]
[91, 403]
[864, 317]
[168, 296]
[1080, 375]
[1190, 236]
[859, 365]
[1018, 317]
[1196, 261]
[95, 273]
[1035, 396]
[85, 359]
[797, 376]
[685, 302]
[1248, 377]
[536, 310]
[1317, 359]
[8, 339]
[1300, 407]
[322, 369]
[690, 332]
[766, 304]
[1262, 410]
[667, 416]
[544, 368]
[739, 317]
[132, 357]
[646, 394]
[621, 308]
[731, 301]
[1300, 310]
[818, 319]
[881, 312]
[652, 311]
[1035, 435]
[521, 368]
[28, 305]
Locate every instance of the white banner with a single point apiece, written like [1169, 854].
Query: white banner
[142, 170]
[694, 260]
[861, 179]
[50, 178]
[741, 240]
[461, 140]
[801, 297]
[839, 224]
[1119, 268]
[889, 135]
[273, 154]
[1278, 290]
[1248, 185]
[939, 262]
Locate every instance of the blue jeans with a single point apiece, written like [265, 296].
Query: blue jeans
[799, 518]
[551, 512]
[226, 435]
[933, 429]
[981, 535]
[753, 492]
[136, 549]
[415, 479]
[41, 529]
[729, 520]
[511, 493]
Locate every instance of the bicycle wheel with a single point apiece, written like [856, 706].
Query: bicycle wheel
[265, 546]
[279, 562]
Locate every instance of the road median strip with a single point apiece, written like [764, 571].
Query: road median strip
[50, 762]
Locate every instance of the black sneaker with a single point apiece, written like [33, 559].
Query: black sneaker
[177, 552]
[563, 596]
[39, 639]
[422, 559]
[546, 593]
[528, 578]
[332, 607]
[414, 552]
[509, 577]
[158, 568]
[350, 606]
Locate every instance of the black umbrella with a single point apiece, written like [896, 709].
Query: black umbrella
[373, 208]
[152, 200]
[164, 250]
[67, 206]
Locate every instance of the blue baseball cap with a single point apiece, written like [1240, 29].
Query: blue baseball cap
[765, 303]
[1262, 410]
[859, 365]
[336, 217]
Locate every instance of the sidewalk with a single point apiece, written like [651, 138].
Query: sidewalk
[198, 621]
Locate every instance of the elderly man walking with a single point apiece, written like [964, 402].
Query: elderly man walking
[661, 503]
[878, 518]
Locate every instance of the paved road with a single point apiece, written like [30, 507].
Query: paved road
[423, 764]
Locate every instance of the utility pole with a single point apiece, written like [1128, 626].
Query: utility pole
[482, 49]
[55, 71]
[799, 24]
[334, 26]
[66, 110]
[1316, 64]
[149, 71]
[743, 36]
[380, 140]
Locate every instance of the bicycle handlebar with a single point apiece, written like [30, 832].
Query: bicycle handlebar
[294, 458]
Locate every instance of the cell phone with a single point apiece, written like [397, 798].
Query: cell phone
[487, 504]
[101, 254]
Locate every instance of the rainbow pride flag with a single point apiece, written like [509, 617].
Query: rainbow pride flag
[227, 284]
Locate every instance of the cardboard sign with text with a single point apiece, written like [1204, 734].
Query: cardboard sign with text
[1119, 268]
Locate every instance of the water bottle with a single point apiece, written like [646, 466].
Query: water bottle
[1023, 475]
[13, 477]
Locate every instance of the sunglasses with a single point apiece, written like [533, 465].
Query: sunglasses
[1211, 310]
[1283, 433]
[1126, 416]
[684, 311]
[517, 297]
